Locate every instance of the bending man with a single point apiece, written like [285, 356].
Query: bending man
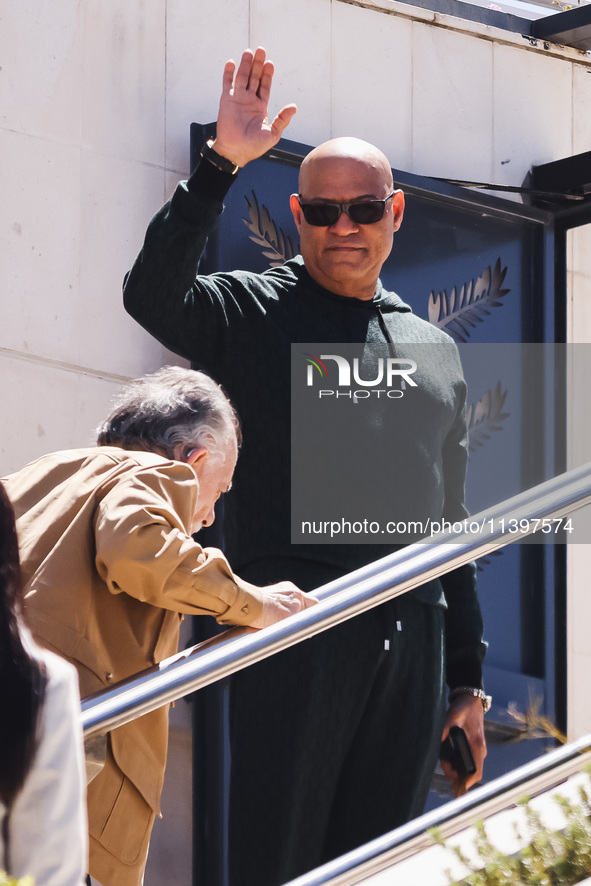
[110, 568]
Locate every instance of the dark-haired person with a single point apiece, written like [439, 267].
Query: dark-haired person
[42, 784]
[109, 567]
[334, 742]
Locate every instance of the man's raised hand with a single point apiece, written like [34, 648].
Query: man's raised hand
[243, 129]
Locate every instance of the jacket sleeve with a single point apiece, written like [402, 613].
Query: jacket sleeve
[144, 549]
[465, 648]
[163, 291]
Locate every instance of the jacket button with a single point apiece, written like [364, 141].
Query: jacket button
[109, 677]
[244, 610]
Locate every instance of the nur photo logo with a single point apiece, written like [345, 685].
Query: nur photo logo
[392, 373]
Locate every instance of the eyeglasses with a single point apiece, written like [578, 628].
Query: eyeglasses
[324, 215]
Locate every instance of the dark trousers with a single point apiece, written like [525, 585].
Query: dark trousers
[334, 741]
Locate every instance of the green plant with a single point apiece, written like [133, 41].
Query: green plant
[549, 858]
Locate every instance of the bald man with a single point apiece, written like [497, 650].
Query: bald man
[334, 741]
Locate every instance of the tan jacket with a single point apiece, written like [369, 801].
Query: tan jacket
[109, 564]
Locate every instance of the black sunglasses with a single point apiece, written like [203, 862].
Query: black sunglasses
[324, 215]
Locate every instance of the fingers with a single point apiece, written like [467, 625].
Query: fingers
[460, 787]
[479, 752]
[458, 784]
[309, 600]
[280, 601]
[291, 603]
[244, 68]
[260, 68]
[304, 601]
[293, 600]
[283, 119]
[243, 129]
[228, 76]
[254, 73]
[473, 780]
[262, 84]
[466, 712]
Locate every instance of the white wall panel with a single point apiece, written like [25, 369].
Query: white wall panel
[171, 180]
[581, 109]
[580, 609]
[200, 37]
[579, 555]
[39, 245]
[452, 104]
[123, 78]
[532, 112]
[372, 80]
[579, 666]
[581, 266]
[297, 37]
[47, 408]
[118, 200]
[40, 48]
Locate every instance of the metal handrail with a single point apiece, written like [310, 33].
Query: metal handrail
[537, 776]
[340, 600]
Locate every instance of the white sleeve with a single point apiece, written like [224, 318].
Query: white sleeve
[48, 823]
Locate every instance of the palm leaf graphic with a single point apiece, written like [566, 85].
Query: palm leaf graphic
[485, 416]
[482, 418]
[462, 309]
[276, 245]
[482, 562]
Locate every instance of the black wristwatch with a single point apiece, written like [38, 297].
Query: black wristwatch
[221, 163]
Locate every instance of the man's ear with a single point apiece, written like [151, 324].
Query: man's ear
[296, 209]
[398, 208]
[196, 456]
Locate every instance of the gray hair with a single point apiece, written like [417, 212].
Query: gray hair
[170, 408]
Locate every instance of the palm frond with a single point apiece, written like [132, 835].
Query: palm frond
[276, 245]
[462, 309]
[482, 562]
[486, 416]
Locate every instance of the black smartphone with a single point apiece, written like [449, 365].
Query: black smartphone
[456, 750]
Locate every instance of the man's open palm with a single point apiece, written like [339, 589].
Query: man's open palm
[243, 129]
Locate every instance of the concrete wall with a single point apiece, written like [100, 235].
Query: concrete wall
[579, 555]
[96, 98]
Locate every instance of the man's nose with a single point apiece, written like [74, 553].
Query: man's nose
[344, 225]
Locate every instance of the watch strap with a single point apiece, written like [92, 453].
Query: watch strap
[221, 163]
